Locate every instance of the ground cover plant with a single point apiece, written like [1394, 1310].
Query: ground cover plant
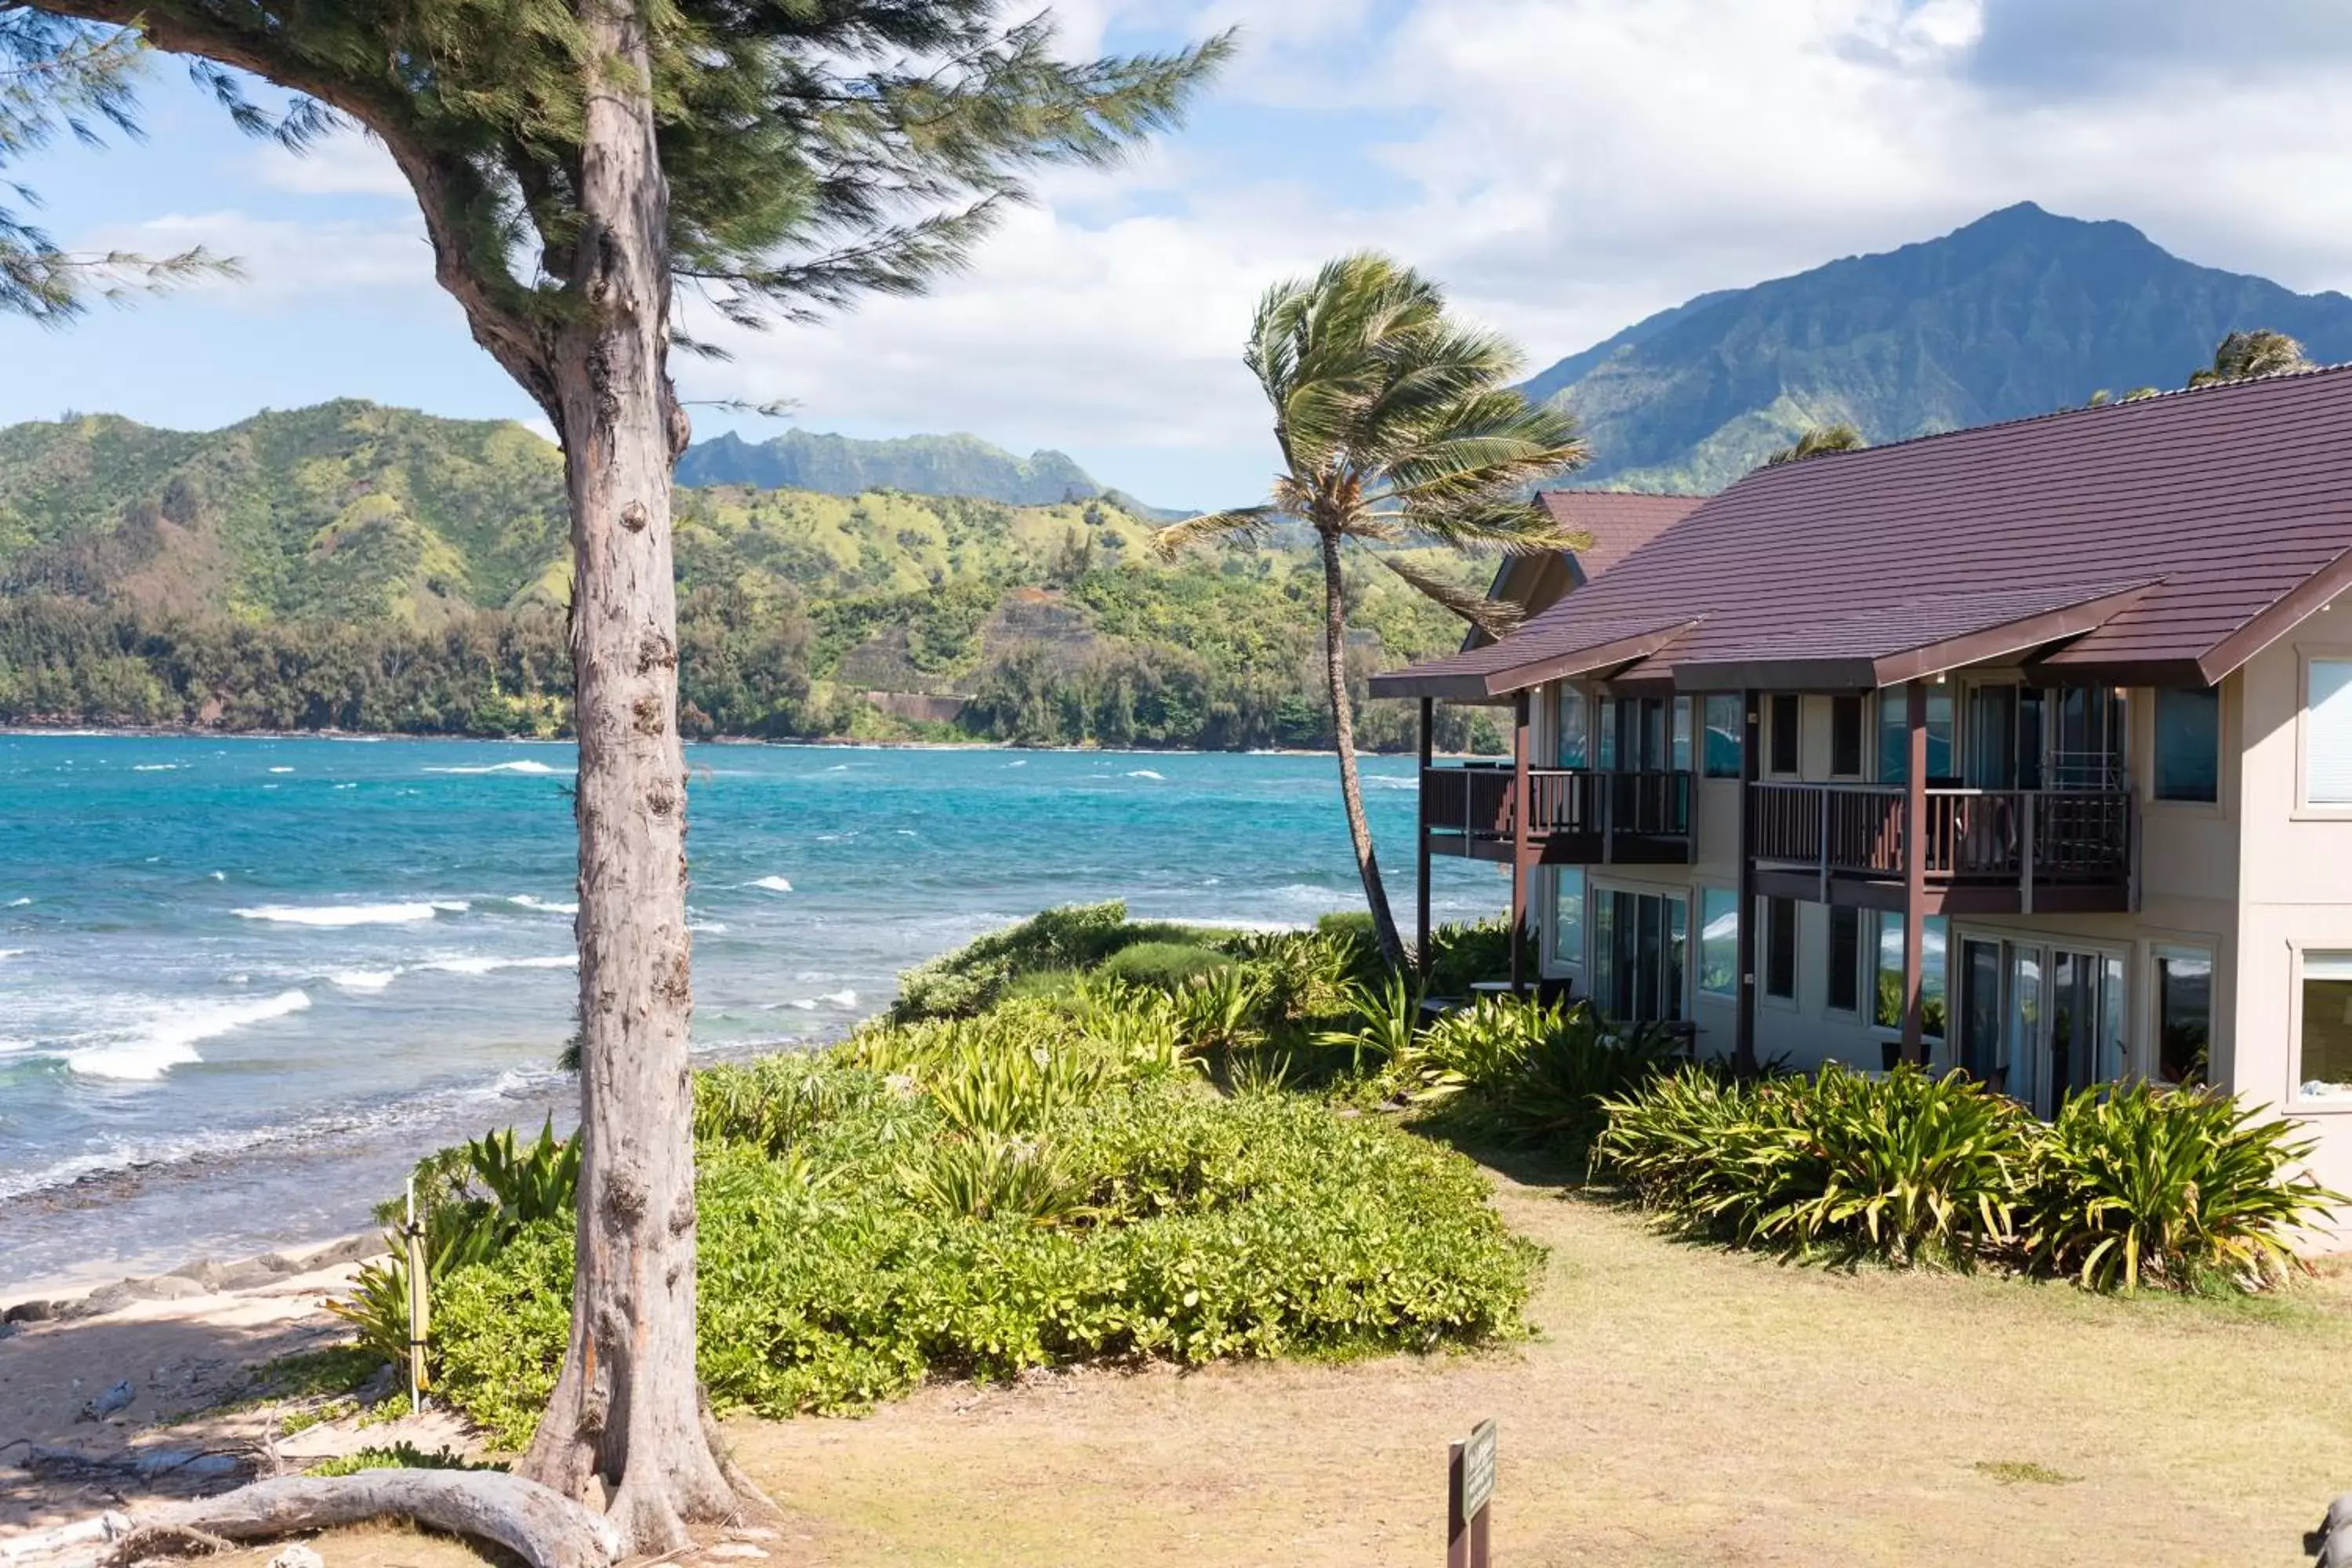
[1119, 1166]
[2130, 1186]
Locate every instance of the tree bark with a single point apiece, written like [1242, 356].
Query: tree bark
[625, 1410]
[1343, 725]
[543, 1530]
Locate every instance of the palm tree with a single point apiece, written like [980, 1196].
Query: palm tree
[1397, 424]
[2258, 353]
[1815, 442]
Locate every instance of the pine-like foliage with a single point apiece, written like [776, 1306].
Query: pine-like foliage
[813, 152]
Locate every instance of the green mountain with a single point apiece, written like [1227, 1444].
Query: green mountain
[368, 568]
[923, 465]
[2020, 312]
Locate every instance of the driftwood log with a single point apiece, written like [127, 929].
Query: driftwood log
[543, 1528]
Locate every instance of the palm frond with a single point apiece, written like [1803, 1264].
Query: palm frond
[1819, 441]
[1256, 523]
[1498, 619]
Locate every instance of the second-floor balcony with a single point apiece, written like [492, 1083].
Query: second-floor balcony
[1575, 817]
[1986, 850]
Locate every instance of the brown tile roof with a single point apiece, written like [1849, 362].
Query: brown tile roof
[1618, 523]
[2166, 540]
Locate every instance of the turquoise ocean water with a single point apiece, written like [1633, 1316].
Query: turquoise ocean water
[244, 982]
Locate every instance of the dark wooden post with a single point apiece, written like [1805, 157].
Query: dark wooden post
[1751, 735]
[1915, 878]
[1420, 839]
[1519, 707]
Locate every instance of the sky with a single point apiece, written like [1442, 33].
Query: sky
[1565, 167]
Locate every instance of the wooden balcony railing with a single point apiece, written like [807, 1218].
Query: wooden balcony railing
[1574, 814]
[2031, 837]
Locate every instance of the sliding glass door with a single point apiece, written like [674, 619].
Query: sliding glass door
[1639, 944]
[2040, 1022]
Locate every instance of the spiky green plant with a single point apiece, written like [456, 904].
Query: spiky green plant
[2181, 1187]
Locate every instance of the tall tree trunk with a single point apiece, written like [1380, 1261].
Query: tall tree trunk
[626, 1409]
[1343, 725]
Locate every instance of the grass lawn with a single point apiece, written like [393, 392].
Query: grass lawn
[1680, 1405]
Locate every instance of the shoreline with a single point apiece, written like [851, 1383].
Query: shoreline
[67, 730]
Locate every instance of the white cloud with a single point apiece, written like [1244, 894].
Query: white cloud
[1565, 165]
[288, 261]
[346, 163]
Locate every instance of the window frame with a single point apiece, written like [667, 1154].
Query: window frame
[2305, 808]
[1576, 961]
[2309, 1105]
[1775, 705]
[2158, 953]
[1770, 952]
[1875, 949]
[2156, 791]
[1852, 967]
[1703, 895]
[1840, 706]
[1738, 706]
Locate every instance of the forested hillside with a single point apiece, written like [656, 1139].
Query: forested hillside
[365, 568]
[962, 466]
[2020, 312]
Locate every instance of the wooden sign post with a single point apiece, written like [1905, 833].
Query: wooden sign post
[1470, 1494]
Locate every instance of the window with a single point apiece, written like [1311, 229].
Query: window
[2326, 1070]
[1887, 977]
[2184, 1016]
[1780, 948]
[1605, 736]
[1568, 915]
[1845, 737]
[2188, 743]
[1681, 759]
[2327, 734]
[1724, 716]
[1845, 960]
[1573, 738]
[1719, 941]
[1895, 733]
[1783, 716]
[1638, 945]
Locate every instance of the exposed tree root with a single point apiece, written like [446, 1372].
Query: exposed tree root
[543, 1529]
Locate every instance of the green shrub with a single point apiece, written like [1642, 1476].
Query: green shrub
[473, 1200]
[1536, 1072]
[1137, 1026]
[1904, 1166]
[1459, 954]
[888, 1246]
[966, 982]
[1166, 964]
[2185, 1188]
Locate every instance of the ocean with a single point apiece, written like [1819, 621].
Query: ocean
[244, 982]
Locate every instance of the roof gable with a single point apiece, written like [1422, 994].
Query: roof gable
[2223, 509]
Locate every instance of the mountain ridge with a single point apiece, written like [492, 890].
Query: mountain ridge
[956, 464]
[2020, 312]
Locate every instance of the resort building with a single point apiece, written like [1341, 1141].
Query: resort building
[2024, 749]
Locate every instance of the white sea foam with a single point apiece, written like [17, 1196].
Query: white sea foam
[18, 903]
[1148, 774]
[525, 766]
[220, 876]
[545, 906]
[344, 914]
[773, 884]
[709, 927]
[154, 767]
[281, 770]
[1022, 763]
[840, 998]
[472, 964]
[364, 980]
[11, 953]
[169, 1039]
